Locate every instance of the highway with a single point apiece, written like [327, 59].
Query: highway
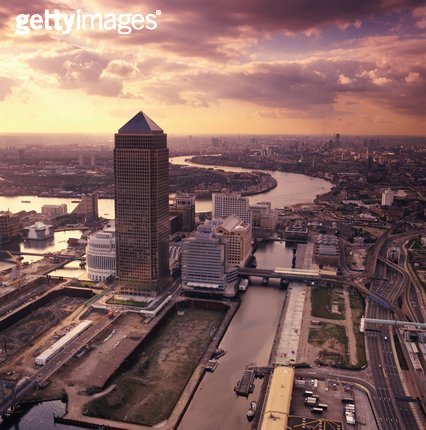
[388, 283]
[393, 414]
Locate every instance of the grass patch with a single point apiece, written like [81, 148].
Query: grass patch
[322, 300]
[334, 342]
[401, 358]
[127, 303]
[148, 390]
[358, 310]
[83, 284]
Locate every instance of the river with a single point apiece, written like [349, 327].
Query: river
[248, 339]
[292, 188]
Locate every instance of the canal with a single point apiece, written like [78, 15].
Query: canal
[248, 339]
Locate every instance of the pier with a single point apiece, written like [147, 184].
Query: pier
[245, 385]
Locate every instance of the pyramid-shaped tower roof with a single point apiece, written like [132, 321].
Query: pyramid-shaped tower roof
[141, 123]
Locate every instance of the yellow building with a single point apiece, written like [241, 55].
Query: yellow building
[277, 408]
[238, 236]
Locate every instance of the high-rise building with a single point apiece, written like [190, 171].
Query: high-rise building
[141, 173]
[225, 205]
[387, 197]
[204, 259]
[184, 204]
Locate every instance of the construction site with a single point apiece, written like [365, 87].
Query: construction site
[46, 353]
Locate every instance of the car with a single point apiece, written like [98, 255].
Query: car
[385, 338]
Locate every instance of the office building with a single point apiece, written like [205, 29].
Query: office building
[387, 197]
[141, 172]
[228, 204]
[204, 259]
[9, 226]
[264, 219]
[238, 240]
[87, 209]
[297, 231]
[100, 253]
[54, 210]
[184, 204]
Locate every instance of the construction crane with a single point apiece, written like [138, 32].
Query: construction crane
[16, 279]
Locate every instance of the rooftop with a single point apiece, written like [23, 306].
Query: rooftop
[141, 123]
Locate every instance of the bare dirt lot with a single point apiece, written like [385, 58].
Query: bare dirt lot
[26, 331]
[147, 392]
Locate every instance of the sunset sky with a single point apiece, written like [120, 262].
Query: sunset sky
[222, 67]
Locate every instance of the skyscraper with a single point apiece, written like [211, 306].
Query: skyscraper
[141, 206]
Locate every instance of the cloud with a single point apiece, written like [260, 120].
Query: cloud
[210, 29]
[77, 68]
[6, 85]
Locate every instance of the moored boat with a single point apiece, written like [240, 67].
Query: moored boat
[252, 411]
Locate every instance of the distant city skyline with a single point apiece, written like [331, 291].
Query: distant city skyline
[252, 67]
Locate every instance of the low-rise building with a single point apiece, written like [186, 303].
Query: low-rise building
[297, 231]
[54, 210]
[327, 250]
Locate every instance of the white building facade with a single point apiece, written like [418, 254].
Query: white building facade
[100, 253]
[228, 204]
[387, 197]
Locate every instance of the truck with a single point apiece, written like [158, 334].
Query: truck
[310, 401]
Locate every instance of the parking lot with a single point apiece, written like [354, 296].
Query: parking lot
[330, 393]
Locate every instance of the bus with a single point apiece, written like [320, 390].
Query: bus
[308, 393]
[318, 411]
[323, 406]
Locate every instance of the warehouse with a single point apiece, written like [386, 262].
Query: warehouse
[50, 352]
[277, 408]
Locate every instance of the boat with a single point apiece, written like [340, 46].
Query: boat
[38, 231]
[211, 365]
[218, 352]
[243, 285]
[252, 411]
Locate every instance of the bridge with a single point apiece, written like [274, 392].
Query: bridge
[318, 277]
[48, 255]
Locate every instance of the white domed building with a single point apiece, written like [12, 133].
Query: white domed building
[100, 253]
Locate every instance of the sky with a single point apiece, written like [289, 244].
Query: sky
[220, 67]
